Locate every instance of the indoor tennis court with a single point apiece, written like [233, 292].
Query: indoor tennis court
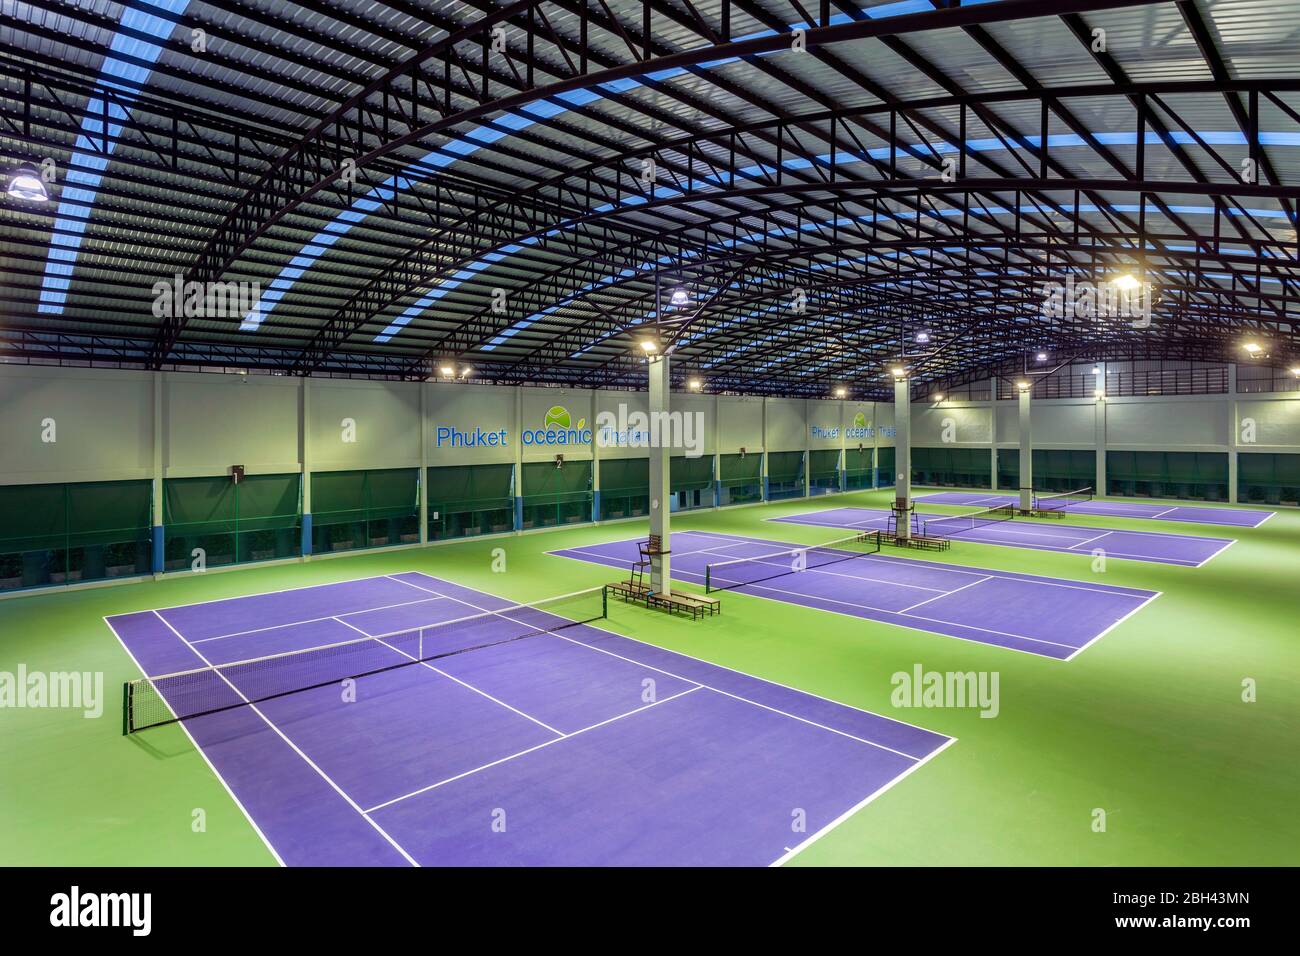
[648, 433]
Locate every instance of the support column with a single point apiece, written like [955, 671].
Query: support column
[1235, 424]
[660, 458]
[158, 560]
[717, 452]
[304, 449]
[903, 453]
[519, 458]
[1026, 452]
[595, 460]
[1100, 483]
[875, 445]
[762, 471]
[424, 463]
[993, 436]
[807, 450]
[842, 467]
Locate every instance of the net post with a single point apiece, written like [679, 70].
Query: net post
[604, 601]
[126, 708]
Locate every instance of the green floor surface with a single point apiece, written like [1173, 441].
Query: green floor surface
[1147, 724]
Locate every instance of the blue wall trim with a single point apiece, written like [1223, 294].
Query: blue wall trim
[158, 550]
[595, 505]
[306, 535]
[519, 514]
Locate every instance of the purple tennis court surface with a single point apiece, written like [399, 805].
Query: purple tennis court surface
[566, 748]
[1228, 517]
[1181, 549]
[1039, 615]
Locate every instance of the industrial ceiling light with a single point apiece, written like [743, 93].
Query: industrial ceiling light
[1022, 385]
[1042, 356]
[939, 397]
[1126, 282]
[923, 336]
[1295, 370]
[898, 371]
[1096, 370]
[649, 346]
[1254, 348]
[841, 391]
[447, 370]
[26, 184]
[680, 296]
[466, 372]
[694, 384]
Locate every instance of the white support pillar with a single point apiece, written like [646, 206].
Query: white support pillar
[304, 449]
[159, 561]
[717, 451]
[1026, 452]
[1100, 483]
[903, 452]
[660, 573]
[1234, 422]
[993, 437]
[424, 463]
[807, 448]
[595, 459]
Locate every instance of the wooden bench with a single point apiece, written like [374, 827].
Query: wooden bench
[918, 541]
[694, 605]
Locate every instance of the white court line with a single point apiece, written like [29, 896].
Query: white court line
[467, 686]
[202, 753]
[1089, 644]
[1013, 532]
[946, 594]
[527, 750]
[716, 690]
[245, 597]
[813, 838]
[312, 620]
[296, 749]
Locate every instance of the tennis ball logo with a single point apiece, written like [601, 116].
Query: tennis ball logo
[557, 416]
[860, 420]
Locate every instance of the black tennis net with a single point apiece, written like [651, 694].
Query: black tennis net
[737, 572]
[950, 525]
[151, 701]
[1061, 501]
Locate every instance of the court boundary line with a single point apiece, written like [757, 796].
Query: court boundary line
[907, 627]
[1120, 589]
[293, 746]
[798, 848]
[310, 620]
[527, 750]
[379, 638]
[733, 670]
[1145, 558]
[1125, 502]
[945, 740]
[275, 854]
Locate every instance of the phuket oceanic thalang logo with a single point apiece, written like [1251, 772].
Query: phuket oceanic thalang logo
[558, 428]
[859, 428]
[452, 437]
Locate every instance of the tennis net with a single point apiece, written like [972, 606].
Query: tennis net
[1061, 500]
[948, 526]
[737, 572]
[151, 701]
